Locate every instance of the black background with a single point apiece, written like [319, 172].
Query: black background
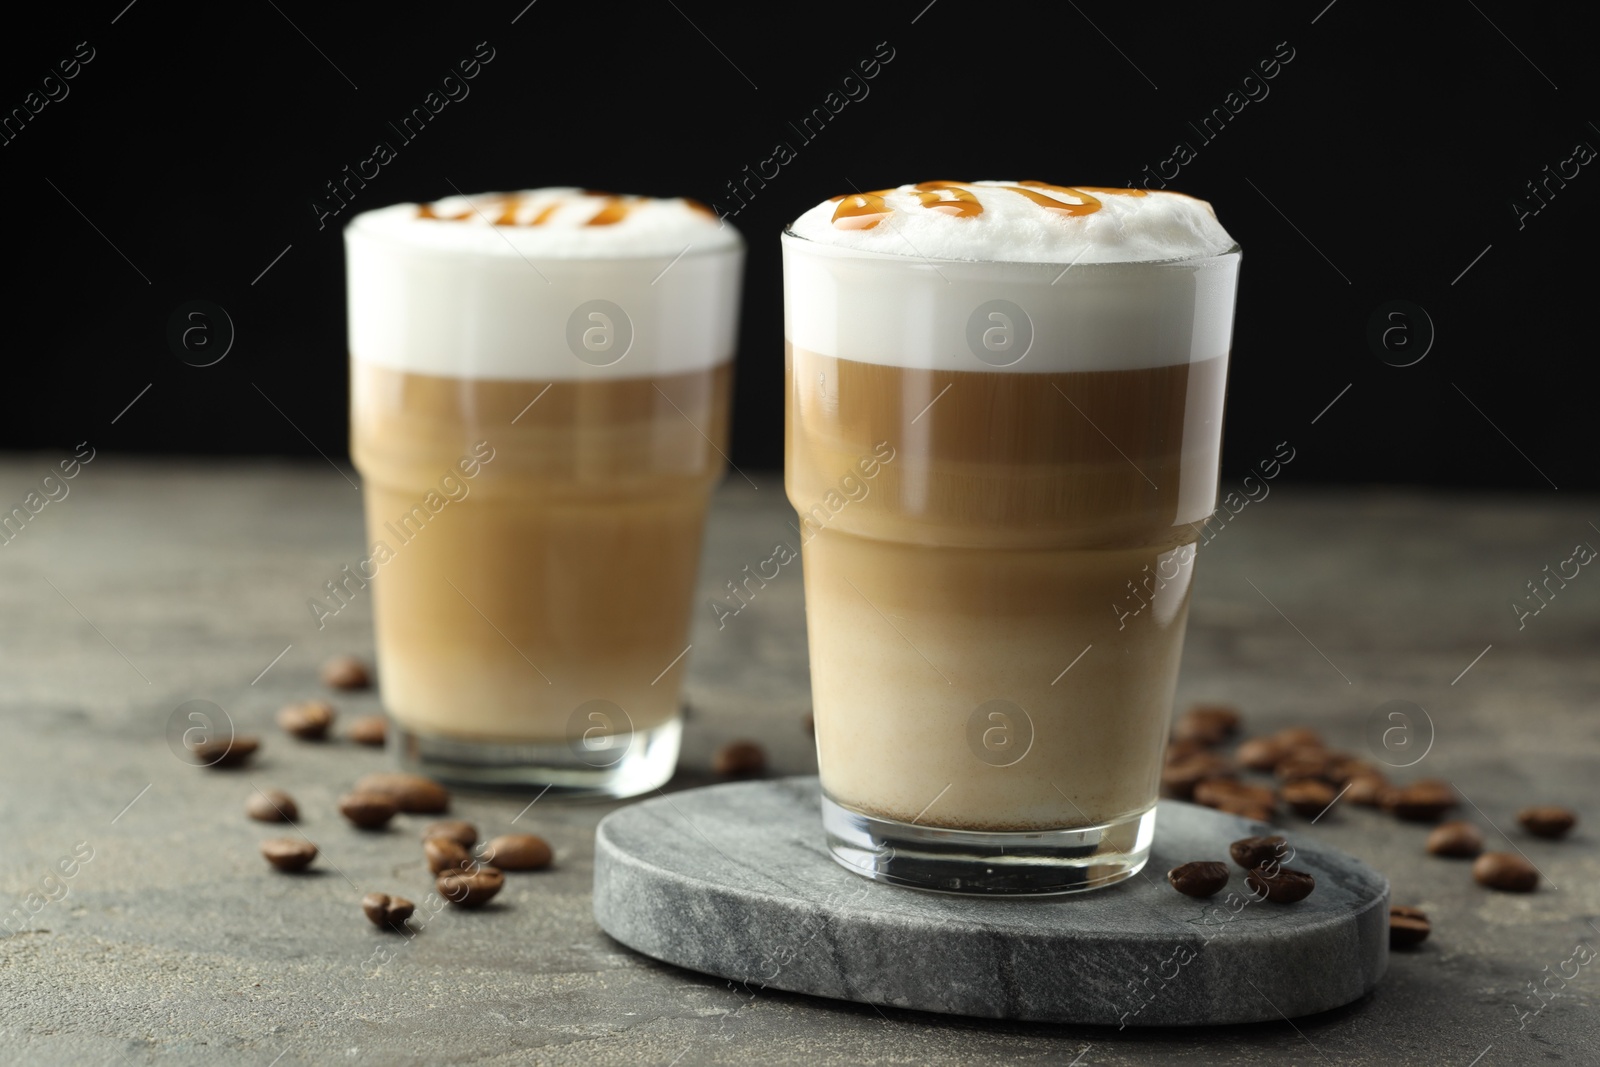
[1384, 160]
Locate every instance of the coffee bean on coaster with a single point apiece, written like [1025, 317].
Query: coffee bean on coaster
[414, 794]
[345, 672]
[1209, 724]
[1253, 852]
[289, 853]
[228, 752]
[1424, 801]
[461, 832]
[444, 854]
[1506, 872]
[369, 730]
[1281, 885]
[369, 811]
[307, 719]
[1261, 753]
[739, 759]
[1547, 821]
[1408, 927]
[1202, 878]
[1459, 839]
[470, 889]
[518, 852]
[386, 912]
[271, 805]
[1179, 779]
[1308, 797]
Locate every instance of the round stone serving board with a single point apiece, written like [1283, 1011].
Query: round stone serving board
[735, 880]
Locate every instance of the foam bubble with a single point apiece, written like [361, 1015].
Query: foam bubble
[546, 284]
[1019, 222]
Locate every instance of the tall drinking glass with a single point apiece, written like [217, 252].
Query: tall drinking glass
[539, 410]
[1003, 426]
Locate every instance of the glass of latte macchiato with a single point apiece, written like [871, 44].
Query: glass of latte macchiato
[1004, 417]
[539, 410]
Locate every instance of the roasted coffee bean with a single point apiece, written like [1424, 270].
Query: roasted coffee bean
[1229, 794]
[1346, 769]
[1300, 764]
[271, 805]
[1209, 724]
[470, 889]
[345, 672]
[1547, 821]
[289, 853]
[1261, 753]
[225, 752]
[1180, 778]
[1424, 801]
[518, 852]
[386, 911]
[462, 833]
[1300, 737]
[307, 719]
[1253, 852]
[1460, 839]
[370, 811]
[369, 730]
[1202, 878]
[414, 794]
[1177, 751]
[808, 723]
[1309, 797]
[445, 854]
[1408, 927]
[739, 759]
[1506, 871]
[1282, 885]
[1366, 789]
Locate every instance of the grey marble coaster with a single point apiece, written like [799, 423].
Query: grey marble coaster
[736, 881]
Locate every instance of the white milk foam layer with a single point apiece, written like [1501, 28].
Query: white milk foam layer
[526, 286]
[1144, 281]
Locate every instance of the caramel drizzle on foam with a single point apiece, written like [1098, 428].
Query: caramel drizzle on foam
[863, 211]
[505, 210]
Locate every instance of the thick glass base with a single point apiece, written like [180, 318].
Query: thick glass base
[1027, 863]
[607, 766]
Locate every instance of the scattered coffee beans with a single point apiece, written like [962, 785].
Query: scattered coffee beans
[1505, 871]
[1460, 839]
[369, 730]
[1281, 885]
[470, 889]
[518, 852]
[271, 805]
[225, 752]
[1179, 778]
[1261, 753]
[386, 911]
[307, 719]
[369, 811]
[1209, 724]
[1424, 801]
[1408, 927]
[1547, 821]
[413, 793]
[1308, 797]
[445, 855]
[739, 759]
[1253, 852]
[1203, 878]
[345, 672]
[289, 853]
[462, 833]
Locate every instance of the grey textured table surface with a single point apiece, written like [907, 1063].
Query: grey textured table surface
[153, 584]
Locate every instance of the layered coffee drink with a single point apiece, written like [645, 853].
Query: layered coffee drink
[1003, 429]
[540, 385]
